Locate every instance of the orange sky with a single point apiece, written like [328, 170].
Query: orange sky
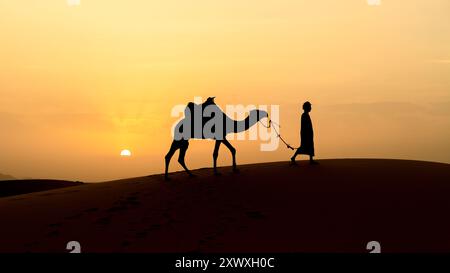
[80, 83]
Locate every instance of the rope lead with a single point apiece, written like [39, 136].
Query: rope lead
[276, 131]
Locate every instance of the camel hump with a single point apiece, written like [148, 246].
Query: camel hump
[195, 119]
[191, 106]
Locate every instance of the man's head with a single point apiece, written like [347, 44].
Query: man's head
[307, 107]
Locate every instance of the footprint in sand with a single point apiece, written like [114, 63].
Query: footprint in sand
[123, 204]
[53, 233]
[132, 201]
[116, 208]
[255, 215]
[132, 197]
[75, 216]
[125, 244]
[18, 199]
[120, 205]
[141, 235]
[204, 242]
[32, 244]
[70, 191]
[54, 225]
[47, 194]
[104, 221]
[154, 227]
[91, 210]
[243, 228]
[229, 219]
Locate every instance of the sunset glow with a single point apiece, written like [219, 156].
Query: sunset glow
[125, 153]
[78, 82]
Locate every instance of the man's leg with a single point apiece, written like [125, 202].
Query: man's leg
[312, 161]
[294, 156]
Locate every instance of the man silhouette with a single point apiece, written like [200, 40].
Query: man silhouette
[306, 136]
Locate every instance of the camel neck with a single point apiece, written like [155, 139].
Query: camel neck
[244, 125]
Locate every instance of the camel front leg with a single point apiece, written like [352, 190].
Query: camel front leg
[233, 153]
[216, 155]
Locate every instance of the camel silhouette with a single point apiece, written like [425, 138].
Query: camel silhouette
[208, 121]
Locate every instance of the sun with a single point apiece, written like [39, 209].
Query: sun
[125, 153]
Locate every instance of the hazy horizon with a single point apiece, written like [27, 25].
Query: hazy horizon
[78, 84]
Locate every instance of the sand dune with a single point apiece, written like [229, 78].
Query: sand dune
[337, 206]
[16, 187]
[6, 177]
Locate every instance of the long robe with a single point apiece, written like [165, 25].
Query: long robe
[306, 136]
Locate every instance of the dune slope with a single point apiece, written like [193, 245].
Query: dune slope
[337, 206]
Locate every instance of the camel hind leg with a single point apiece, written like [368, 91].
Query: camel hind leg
[181, 156]
[216, 155]
[233, 153]
[183, 146]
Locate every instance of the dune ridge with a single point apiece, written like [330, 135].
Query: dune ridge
[337, 206]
